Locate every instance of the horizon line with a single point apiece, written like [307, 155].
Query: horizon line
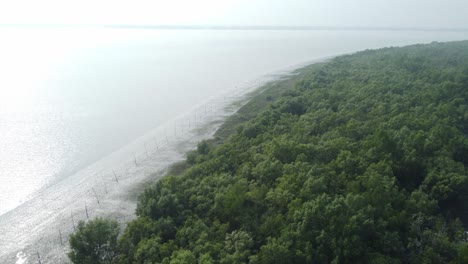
[236, 27]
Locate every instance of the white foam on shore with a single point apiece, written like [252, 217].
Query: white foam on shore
[39, 228]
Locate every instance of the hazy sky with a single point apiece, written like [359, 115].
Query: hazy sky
[378, 13]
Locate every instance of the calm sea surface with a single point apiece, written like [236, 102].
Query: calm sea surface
[69, 97]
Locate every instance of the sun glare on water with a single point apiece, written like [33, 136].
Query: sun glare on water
[20, 258]
[32, 62]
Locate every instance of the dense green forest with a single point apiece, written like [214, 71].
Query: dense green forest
[363, 160]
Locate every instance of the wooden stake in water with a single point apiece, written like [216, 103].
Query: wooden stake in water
[86, 209]
[60, 234]
[115, 176]
[38, 257]
[73, 222]
[134, 157]
[95, 194]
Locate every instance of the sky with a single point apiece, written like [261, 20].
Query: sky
[327, 13]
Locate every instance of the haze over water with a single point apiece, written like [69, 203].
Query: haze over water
[70, 96]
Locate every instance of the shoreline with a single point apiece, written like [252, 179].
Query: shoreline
[347, 138]
[97, 191]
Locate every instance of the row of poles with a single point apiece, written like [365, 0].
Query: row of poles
[180, 128]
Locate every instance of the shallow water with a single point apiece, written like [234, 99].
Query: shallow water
[78, 104]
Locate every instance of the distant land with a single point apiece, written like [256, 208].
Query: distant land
[243, 27]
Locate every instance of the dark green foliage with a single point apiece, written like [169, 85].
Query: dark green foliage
[94, 242]
[362, 161]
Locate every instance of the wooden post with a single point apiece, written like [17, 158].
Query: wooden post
[95, 194]
[134, 157]
[60, 234]
[86, 209]
[73, 221]
[115, 176]
[38, 257]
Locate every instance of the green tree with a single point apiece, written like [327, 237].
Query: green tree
[94, 242]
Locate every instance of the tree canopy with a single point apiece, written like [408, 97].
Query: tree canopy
[364, 160]
[94, 242]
